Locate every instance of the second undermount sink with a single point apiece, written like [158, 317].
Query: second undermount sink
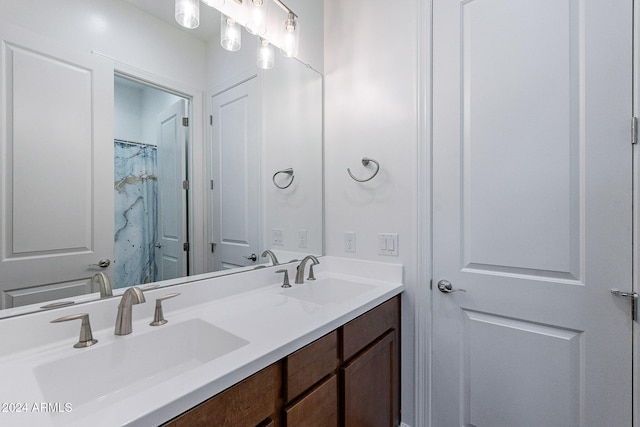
[133, 364]
[326, 290]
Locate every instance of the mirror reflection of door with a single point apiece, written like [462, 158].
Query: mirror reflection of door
[150, 200]
[234, 209]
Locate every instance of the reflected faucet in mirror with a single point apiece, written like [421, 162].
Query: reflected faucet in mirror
[274, 259]
[106, 290]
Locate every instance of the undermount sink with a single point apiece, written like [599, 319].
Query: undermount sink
[326, 290]
[133, 364]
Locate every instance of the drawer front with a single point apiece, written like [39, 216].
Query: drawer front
[254, 401]
[319, 408]
[365, 329]
[310, 364]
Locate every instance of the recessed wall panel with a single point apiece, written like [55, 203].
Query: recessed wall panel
[235, 196]
[521, 101]
[517, 373]
[50, 198]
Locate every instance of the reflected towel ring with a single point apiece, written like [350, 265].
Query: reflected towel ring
[365, 162]
[288, 171]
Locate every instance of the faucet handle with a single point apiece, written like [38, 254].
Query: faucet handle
[158, 315]
[285, 281]
[86, 338]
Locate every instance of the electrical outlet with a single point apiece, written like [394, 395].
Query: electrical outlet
[302, 238]
[277, 238]
[388, 244]
[349, 241]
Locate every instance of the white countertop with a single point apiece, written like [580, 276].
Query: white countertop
[272, 322]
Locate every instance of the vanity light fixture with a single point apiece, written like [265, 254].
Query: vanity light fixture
[257, 16]
[230, 33]
[252, 14]
[188, 13]
[291, 35]
[265, 54]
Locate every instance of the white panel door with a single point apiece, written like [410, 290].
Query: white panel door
[56, 154]
[234, 213]
[532, 213]
[171, 258]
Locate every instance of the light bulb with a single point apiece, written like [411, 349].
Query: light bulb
[257, 16]
[265, 54]
[213, 3]
[230, 33]
[291, 36]
[188, 13]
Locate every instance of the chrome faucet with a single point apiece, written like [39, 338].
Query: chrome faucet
[300, 272]
[106, 290]
[131, 296]
[274, 260]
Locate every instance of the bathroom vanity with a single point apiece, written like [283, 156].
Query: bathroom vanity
[350, 374]
[237, 350]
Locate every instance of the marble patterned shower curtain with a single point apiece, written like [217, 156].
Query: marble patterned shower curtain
[136, 195]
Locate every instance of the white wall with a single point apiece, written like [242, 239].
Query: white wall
[115, 29]
[371, 110]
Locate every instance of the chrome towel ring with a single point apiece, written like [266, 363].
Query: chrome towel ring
[365, 162]
[289, 172]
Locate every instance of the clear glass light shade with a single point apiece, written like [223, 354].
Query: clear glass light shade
[266, 54]
[188, 13]
[257, 16]
[230, 33]
[291, 36]
[213, 3]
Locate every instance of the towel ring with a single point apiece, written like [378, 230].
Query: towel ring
[289, 172]
[365, 162]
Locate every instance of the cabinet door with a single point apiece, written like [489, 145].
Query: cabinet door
[371, 395]
[252, 402]
[318, 408]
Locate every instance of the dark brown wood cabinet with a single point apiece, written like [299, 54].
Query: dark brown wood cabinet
[349, 377]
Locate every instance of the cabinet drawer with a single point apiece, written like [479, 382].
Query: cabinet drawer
[254, 401]
[365, 329]
[319, 408]
[310, 364]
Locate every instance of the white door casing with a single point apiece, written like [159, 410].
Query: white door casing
[56, 187]
[532, 213]
[171, 258]
[234, 170]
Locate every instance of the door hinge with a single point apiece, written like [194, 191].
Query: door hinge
[186, 246]
[185, 185]
[185, 121]
[211, 120]
[634, 130]
[430, 284]
[213, 247]
[212, 184]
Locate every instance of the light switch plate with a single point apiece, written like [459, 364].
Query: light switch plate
[388, 244]
[302, 238]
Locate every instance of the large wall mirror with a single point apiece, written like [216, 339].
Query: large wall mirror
[138, 149]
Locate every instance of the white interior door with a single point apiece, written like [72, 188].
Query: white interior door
[56, 179]
[234, 213]
[532, 213]
[171, 258]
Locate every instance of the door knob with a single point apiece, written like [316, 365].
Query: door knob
[446, 287]
[251, 257]
[103, 263]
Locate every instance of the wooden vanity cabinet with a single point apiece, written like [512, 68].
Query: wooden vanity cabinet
[370, 371]
[348, 378]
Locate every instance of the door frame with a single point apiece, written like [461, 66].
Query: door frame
[195, 155]
[636, 211]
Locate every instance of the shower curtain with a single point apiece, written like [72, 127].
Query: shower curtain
[136, 195]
